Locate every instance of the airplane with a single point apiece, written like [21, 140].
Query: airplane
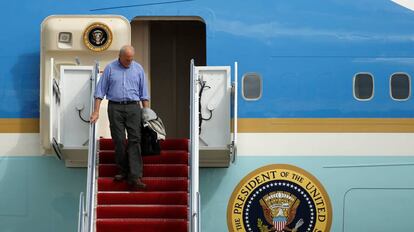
[280, 115]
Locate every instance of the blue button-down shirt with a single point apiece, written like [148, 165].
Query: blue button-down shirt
[118, 83]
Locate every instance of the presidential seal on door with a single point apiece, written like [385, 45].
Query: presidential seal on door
[97, 37]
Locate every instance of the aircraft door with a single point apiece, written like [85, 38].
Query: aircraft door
[70, 107]
[70, 46]
[76, 86]
[217, 102]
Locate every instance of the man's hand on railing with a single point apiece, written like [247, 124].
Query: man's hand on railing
[96, 106]
[94, 117]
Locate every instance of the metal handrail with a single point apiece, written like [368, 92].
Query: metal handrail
[81, 217]
[92, 159]
[235, 114]
[194, 151]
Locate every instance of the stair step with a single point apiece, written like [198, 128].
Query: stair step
[142, 211]
[161, 206]
[153, 184]
[166, 157]
[150, 170]
[169, 144]
[152, 198]
[141, 225]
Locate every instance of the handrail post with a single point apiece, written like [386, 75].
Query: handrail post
[91, 179]
[81, 218]
[235, 113]
[194, 151]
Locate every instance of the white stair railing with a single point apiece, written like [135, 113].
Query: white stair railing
[81, 217]
[194, 153]
[235, 114]
[87, 206]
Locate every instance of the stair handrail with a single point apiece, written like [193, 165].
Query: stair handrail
[194, 152]
[235, 114]
[81, 217]
[92, 159]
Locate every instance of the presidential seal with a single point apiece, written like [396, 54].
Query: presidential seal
[279, 198]
[97, 37]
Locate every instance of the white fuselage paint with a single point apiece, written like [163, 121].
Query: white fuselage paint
[325, 144]
[20, 144]
[269, 144]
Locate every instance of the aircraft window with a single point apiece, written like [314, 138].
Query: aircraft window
[363, 86]
[252, 86]
[400, 86]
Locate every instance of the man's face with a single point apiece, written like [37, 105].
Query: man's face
[126, 58]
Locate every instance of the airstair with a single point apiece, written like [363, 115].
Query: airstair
[169, 202]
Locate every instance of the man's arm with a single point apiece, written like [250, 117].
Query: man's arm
[95, 114]
[143, 90]
[100, 92]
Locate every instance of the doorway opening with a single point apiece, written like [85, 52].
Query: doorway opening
[164, 47]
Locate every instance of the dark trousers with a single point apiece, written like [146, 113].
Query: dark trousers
[121, 118]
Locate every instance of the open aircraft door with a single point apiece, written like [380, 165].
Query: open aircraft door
[70, 106]
[218, 104]
[71, 46]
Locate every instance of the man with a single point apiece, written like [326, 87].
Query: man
[124, 84]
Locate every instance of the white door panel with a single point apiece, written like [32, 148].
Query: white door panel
[215, 106]
[216, 95]
[75, 106]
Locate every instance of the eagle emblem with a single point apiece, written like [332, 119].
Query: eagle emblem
[279, 210]
[97, 37]
[279, 198]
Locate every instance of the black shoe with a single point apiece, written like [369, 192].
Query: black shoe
[120, 177]
[136, 184]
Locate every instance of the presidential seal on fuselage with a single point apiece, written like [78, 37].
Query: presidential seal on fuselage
[279, 198]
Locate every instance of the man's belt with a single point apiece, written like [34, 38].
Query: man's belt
[123, 102]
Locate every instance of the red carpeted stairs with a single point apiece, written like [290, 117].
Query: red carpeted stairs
[162, 206]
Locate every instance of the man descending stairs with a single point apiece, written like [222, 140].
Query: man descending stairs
[161, 206]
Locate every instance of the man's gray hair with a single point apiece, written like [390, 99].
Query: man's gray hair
[125, 48]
